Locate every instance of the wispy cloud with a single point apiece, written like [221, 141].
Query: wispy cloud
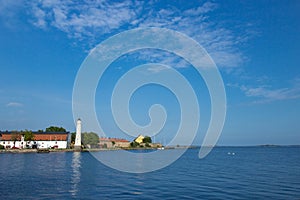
[7, 7]
[14, 104]
[156, 69]
[9, 11]
[220, 42]
[89, 20]
[205, 8]
[267, 93]
[82, 19]
[162, 57]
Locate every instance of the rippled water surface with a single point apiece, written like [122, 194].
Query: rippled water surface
[252, 172]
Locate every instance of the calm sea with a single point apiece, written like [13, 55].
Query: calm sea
[251, 173]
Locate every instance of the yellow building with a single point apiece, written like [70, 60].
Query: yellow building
[139, 139]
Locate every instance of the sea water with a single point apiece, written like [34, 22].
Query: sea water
[226, 173]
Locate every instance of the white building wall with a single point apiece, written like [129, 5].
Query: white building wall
[50, 144]
[40, 144]
[10, 144]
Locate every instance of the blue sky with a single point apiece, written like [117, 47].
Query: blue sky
[255, 45]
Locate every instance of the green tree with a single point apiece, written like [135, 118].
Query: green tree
[147, 139]
[73, 137]
[147, 145]
[15, 136]
[134, 144]
[28, 135]
[91, 139]
[55, 129]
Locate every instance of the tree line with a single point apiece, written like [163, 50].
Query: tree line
[88, 139]
[29, 136]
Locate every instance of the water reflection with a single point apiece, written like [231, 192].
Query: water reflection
[75, 179]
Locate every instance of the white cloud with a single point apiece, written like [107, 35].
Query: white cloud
[14, 104]
[265, 93]
[40, 17]
[8, 12]
[81, 20]
[162, 57]
[221, 43]
[157, 69]
[90, 20]
[7, 6]
[205, 8]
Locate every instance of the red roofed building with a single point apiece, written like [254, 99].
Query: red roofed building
[113, 143]
[11, 139]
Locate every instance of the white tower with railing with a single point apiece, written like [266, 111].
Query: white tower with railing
[78, 135]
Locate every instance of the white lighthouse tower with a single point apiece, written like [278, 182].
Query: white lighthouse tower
[78, 135]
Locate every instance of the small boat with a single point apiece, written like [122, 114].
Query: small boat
[43, 150]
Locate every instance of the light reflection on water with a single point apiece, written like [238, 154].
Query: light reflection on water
[75, 179]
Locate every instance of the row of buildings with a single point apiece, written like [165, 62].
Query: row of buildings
[113, 143]
[57, 140]
[62, 140]
[122, 143]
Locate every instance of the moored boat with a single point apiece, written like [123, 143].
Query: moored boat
[43, 150]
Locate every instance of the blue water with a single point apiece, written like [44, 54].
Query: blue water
[253, 172]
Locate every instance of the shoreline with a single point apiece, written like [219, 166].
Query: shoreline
[116, 149]
[70, 150]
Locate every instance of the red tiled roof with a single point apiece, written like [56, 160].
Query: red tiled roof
[102, 139]
[38, 136]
